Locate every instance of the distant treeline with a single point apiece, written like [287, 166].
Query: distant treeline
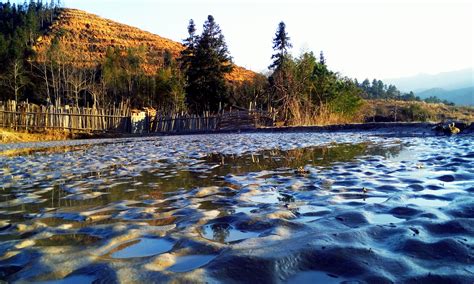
[378, 90]
[300, 90]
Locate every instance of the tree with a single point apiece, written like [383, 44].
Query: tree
[347, 100]
[122, 72]
[169, 88]
[209, 62]
[281, 45]
[324, 82]
[190, 46]
[322, 60]
[16, 78]
[392, 92]
[366, 86]
[378, 89]
[251, 92]
[20, 26]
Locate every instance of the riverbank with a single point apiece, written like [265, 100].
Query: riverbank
[399, 128]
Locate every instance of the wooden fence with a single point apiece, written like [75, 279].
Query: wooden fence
[179, 123]
[226, 120]
[26, 116]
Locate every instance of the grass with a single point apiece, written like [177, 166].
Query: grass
[381, 111]
[11, 136]
[390, 110]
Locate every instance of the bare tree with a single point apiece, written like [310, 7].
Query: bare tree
[77, 81]
[15, 79]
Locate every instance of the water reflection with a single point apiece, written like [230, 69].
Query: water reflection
[159, 184]
[225, 233]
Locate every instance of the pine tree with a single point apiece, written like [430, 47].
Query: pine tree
[281, 44]
[209, 62]
[190, 45]
[322, 60]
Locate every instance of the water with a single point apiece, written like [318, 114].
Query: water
[316, 277]
[238, 208]
[75, 279]
[190, 262]
[225, 233]
[383, 219]
[141, 247]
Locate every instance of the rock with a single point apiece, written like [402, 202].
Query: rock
[451, 128]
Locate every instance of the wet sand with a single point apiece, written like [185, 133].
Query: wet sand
[253, 208]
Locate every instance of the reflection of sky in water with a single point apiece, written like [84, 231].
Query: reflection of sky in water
[142, 247]
[384, 219]
[190, 262]
[427, 202]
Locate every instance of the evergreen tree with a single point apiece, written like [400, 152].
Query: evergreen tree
[365, 86]
[322, 60]
[209, 63]
[392, 92]
[190, 45]
[281, 45]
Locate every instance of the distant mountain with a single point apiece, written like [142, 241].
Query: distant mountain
[447, 80]
[464, 96]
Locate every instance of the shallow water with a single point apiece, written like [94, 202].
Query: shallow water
[289, 208]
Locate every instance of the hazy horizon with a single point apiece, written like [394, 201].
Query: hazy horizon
[360, 39]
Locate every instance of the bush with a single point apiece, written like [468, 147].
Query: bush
[415, 112]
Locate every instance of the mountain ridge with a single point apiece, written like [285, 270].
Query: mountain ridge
[462, 96]
[450, 80]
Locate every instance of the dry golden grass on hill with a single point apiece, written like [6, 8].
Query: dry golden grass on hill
[86, 37]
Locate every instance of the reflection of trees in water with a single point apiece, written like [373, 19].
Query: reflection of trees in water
[286, 198]
[67, 239]
[220, 231]
[154, 185]
[317, 156]
[387, 152]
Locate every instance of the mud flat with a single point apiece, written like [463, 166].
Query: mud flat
[299, 207]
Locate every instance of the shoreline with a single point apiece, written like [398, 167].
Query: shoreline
[394, 128]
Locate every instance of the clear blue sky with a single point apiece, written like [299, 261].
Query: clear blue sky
[382, 39]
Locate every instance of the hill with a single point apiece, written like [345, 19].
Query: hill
[463, 96]
[85, 38]
[447, 80]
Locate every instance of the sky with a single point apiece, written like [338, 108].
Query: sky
[360, 38]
